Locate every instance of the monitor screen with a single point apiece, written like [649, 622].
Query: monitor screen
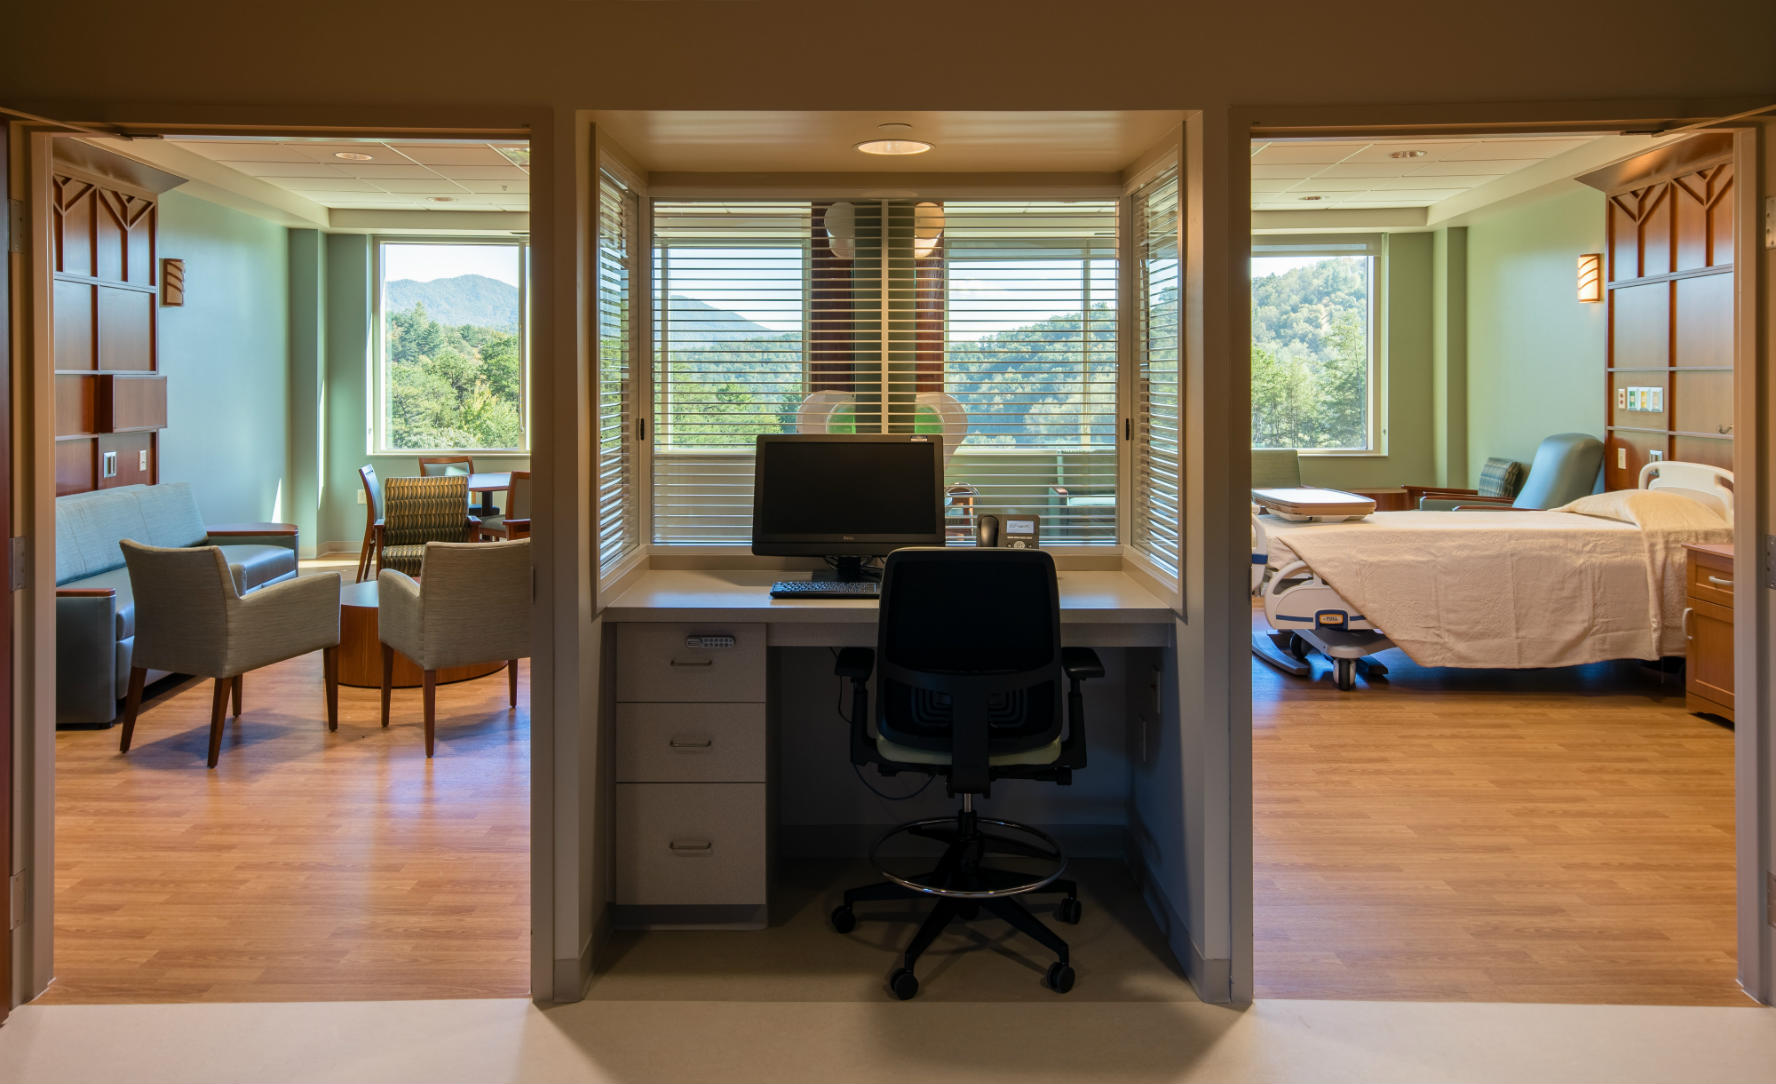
[826, 495]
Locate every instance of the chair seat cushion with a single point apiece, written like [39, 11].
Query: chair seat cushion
[258, 565]
[906, 754]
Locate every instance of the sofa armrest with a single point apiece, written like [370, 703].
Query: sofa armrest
[256, 534]
[86, 654]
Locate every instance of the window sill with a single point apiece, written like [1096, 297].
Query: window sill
[1339, 453]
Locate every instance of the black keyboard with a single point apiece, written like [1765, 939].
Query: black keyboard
[826, 589]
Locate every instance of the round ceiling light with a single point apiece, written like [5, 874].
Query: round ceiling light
[1311, 197]
[894, 146]
[354, 156]
[440, 199]
[1406, 154]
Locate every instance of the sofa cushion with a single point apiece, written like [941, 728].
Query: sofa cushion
[255, 566]
[118, 580]
[96, 522]
[170, 516]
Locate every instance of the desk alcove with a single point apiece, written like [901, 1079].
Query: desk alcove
[727, 750]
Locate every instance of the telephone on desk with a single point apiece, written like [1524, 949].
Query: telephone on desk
[1012, 532]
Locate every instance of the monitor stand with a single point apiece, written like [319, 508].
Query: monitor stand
[846, 570]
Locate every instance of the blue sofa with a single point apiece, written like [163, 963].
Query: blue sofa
[95, 611]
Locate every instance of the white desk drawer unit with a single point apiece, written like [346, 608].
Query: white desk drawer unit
[691, 808]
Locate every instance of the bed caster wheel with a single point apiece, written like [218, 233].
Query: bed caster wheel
[843, 919]
[1069, 910]
[1060, 978]
[905, 985]
[1298, 647]
[1346, 673]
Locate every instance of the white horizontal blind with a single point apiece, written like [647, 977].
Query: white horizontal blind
[896, 311]
[1158, 511]
[618, 527]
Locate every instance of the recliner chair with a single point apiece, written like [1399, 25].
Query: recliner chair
[969, 670]
[1565, 468]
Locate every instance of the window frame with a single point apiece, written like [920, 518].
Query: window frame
[1375, 340]
[377, 428]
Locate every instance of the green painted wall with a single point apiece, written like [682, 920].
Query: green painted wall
[349, 338]
[1536, 355]
[1449, 355]
[1406, 362]
[225, 353]
[308, 323]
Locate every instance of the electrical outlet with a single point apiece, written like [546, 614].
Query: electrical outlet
[1621, 459]
[108, 465]
[142, 459]
[360, 496]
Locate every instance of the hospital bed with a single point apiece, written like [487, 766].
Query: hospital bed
[1601, 578]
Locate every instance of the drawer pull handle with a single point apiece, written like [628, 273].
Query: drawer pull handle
[691, 847]
[1687, 634]
[692, 662]
[709, 641]
[1718, 582]
[690, 743]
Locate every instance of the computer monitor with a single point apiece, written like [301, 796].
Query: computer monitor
[846, 497]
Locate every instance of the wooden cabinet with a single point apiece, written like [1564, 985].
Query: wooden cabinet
[1708, 631]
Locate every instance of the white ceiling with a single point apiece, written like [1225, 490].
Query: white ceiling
[430, 175]
[1362, 174]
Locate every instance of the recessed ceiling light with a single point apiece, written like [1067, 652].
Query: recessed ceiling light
[1310, 197]
[440, 199]
[354, 156]
[1406, 154]
[894, 146]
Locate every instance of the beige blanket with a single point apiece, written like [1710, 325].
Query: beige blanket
[1511, 589]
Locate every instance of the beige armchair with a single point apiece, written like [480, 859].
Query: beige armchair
[190, 619]
[472, 604]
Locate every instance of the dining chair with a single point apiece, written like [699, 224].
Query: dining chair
[190, 619]
[372, 520]
[471, 604]
[495, 528]
[434, 466]
[420, 510]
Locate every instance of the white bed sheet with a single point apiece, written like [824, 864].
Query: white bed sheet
[1504, 589]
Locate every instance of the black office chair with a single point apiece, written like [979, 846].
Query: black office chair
[970, 689]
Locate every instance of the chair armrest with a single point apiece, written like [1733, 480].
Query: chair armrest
[855, 663]
[1081, 663]
[1502, 506]
[518, 528]
[86, 592]
[1416, 494]
[304, 601]
[400, 618]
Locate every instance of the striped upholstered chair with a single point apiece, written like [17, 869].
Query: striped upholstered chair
[420, 510]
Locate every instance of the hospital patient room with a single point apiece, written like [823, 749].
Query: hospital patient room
[1492, 568]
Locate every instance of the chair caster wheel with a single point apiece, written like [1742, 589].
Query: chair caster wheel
[1069, 910]
[843, 920]
[1060, 978]
[905, 985]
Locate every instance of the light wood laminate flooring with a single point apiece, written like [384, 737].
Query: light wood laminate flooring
[1561, 835]
[308, 866]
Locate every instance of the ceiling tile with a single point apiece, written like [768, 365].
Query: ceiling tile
[1477, 167]
[485, 173]
[434, 186]
[241, 152]
[1307, 153]
[1366, 169]
[458, 155]
[288, 169]
[374, 171]
[1434, 151]
[519, 186]
[1405, 197]
[313, 185]
[1281, 171]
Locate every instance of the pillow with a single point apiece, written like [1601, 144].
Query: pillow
[1500, 477]
[1660, 509]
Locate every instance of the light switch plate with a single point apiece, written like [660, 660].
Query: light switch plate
[142, 459]
[1621, 459]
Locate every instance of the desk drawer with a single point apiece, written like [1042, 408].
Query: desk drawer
[690, 743]
[1711, 578]
[690, 843]
[717, 661]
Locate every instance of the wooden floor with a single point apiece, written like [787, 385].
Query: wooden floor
[1445, 835]
[309, 866]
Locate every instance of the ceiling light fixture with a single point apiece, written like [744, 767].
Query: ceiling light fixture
[1406, 154]
[894, 146]
[440, 199]
[354, 156]
[1310, 197]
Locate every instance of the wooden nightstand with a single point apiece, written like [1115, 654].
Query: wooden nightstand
[1708, 631]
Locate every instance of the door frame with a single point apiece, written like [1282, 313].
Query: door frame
[1754, 161]
[558, 385]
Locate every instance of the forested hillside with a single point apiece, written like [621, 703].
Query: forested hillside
[459, 301]
[1309, 356]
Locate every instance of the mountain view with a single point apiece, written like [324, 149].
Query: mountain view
[462, 300]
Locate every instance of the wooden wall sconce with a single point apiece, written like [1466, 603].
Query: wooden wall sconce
[1591, 276]
[172, 282]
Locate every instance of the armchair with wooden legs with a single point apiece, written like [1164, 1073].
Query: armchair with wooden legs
[191, 619]
[471, 604]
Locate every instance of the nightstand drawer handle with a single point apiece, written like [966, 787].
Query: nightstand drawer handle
[690, 848]
[1718, 582]
[1687, 634]
[690, 743]
[692, 662]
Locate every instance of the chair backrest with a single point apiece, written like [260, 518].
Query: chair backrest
[475, 600]
[372, 490]
[1565, 469]
[1276, 468]
[182, 599]
[518, 497]
[417, 510]
[969, 654]
[433, 466]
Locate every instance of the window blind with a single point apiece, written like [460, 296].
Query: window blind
[1158, 510]
[993, 320]
[617, 517]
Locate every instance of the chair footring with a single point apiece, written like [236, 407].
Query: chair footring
[959, 873]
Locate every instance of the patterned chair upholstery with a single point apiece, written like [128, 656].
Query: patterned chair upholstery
[420, 510]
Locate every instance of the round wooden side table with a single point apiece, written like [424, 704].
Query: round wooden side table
[360, 651]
